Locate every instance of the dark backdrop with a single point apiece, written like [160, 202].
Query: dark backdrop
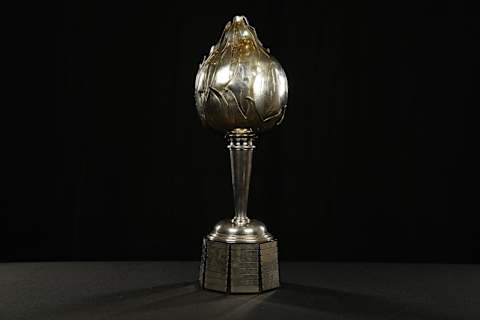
[370, 163]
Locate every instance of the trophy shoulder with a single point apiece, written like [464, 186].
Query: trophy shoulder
[254, 231]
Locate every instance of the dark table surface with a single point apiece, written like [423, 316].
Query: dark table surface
[167, 290]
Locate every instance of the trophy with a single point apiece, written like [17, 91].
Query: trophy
[240, 90]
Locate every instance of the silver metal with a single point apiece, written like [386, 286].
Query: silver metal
[241, 151]
[240, 228]
[241, 90]
[240, 85]
[228, 231]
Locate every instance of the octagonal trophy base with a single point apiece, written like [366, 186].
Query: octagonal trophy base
[239, 267]
[239, 257]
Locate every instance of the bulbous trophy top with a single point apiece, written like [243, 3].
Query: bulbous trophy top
[240, 85]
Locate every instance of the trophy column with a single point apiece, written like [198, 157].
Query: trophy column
[239, 255]
[241, 152]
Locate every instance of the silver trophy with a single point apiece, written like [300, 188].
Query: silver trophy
[240, 90]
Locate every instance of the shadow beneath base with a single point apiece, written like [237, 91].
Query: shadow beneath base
[349, 304]
[283, 303]
[186, 300]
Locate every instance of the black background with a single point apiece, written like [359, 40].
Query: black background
[370, 163]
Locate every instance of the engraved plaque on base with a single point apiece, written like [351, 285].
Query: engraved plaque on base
[246, 268]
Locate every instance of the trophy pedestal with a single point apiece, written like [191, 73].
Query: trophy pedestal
[240, 255]
[239, 267]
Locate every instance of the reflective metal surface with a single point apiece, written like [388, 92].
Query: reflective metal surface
[228, 231]
[240, 85]
[240, 228]
[241, 90]
[241, 152]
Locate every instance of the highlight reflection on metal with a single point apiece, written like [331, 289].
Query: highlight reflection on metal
[241, 90]
[240, 85]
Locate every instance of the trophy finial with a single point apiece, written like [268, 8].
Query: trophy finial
[240, 85]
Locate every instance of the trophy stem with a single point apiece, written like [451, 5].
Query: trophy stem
[239, 255]
[240, 144]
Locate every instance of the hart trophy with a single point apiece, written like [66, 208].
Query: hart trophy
[240, 90]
